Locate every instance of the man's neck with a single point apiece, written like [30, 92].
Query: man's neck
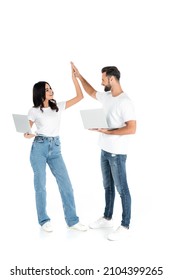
[116, 92]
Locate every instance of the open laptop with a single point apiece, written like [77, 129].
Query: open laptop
[94, 118]
[22, 123]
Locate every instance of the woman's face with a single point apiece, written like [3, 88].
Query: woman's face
[48, 92]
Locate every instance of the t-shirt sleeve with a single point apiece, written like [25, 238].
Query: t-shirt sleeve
[61, 105]
[100, 96]
[128, 110]
[31, 115]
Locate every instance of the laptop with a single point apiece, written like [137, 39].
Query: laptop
[22, 123]
[94, 118]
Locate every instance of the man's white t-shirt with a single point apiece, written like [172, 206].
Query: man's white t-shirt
[47, 121]
[118, 109]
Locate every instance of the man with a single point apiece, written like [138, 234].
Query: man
[120, 115]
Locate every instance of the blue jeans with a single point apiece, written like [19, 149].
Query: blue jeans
[114, 174]
[47, 150]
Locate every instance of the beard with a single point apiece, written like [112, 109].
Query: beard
[107, 88]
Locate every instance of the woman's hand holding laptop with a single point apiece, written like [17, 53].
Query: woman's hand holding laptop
[29, 135]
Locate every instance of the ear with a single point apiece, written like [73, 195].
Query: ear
[111, 79]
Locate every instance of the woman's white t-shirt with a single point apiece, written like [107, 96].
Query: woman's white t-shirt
[47, 121]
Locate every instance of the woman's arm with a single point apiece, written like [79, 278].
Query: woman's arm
[87, 87]
[28, 135]
[79, 95]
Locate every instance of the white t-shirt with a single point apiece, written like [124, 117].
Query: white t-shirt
[47, 121]
[118, 110]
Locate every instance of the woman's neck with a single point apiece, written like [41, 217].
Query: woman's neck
[46, 104]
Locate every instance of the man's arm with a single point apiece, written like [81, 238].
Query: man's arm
[87, 87]
[129, 128]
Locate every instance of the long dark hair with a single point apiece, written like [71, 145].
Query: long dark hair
[39, 96]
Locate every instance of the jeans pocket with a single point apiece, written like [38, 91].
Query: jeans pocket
[57, 142]
[39, 139]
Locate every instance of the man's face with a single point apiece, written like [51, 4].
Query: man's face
[106, 82]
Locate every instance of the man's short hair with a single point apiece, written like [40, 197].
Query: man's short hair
[111, 71]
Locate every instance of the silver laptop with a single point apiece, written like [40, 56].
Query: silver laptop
[94, 118]
[21, 123]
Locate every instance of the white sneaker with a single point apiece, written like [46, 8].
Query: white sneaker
[120, 233]
[79, 227]
[101, 223]
[47, 227]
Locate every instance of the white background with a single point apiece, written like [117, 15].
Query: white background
[38, 40]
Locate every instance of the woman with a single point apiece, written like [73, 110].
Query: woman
[46, 149]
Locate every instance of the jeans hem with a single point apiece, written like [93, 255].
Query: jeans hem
[73, 223]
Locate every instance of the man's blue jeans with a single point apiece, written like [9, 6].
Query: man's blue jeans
[114, 174]
[47, 150]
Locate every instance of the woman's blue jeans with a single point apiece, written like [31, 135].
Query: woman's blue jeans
[47, 150]
[114, 174]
